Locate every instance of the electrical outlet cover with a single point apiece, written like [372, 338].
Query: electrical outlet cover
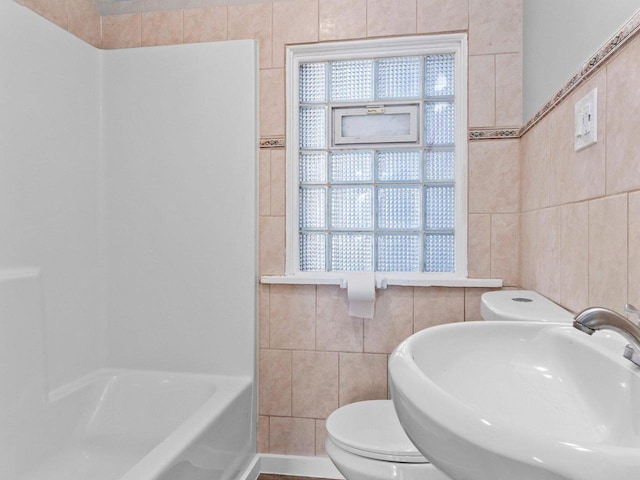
[586, 120]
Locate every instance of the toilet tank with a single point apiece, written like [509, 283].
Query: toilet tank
[522, 305]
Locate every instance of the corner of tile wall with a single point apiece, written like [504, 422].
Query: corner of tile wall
[580, 222]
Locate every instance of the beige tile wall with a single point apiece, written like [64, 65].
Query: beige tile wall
[581, 217]
[313, 357]
[77, 16]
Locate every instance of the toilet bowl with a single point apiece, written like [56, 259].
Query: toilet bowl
[365, 440]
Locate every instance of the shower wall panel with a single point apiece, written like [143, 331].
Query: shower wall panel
[50, 183]
[180, 148]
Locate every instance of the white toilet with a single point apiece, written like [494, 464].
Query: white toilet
[365, 440]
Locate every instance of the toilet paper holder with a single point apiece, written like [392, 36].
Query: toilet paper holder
[361, 292]
[381, 282]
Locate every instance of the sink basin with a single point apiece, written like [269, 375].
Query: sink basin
[518, 400]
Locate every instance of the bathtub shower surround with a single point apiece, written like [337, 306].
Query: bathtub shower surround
[180, 151]
[127, 257]
[24, 382]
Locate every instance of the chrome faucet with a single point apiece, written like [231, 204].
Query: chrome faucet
[598, 318]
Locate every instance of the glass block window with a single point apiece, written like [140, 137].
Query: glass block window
[351, 81]
[388, 206]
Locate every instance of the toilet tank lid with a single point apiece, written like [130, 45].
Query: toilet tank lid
[522, 305]
[371, 429]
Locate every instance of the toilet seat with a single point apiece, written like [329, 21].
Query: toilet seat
[371, 429]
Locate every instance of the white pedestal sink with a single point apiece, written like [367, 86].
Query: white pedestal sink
[525, 401]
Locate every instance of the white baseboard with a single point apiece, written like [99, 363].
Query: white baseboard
[252, 470]
[320, 467]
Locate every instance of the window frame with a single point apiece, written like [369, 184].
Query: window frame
[377, 48]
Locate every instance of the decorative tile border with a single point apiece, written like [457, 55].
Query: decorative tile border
[627, 33]
[493, 133]
[614, 45]
[272, 142]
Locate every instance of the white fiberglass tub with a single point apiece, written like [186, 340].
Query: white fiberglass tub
[140, 425]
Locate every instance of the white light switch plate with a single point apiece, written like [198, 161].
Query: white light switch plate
[586, 120]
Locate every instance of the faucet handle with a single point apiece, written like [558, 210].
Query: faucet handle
[632, 310]
[631, 354]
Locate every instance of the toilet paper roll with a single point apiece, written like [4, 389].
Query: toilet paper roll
[361, 292]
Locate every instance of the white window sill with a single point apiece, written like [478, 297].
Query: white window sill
[383, 280]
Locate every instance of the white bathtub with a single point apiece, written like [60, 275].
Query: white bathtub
[139, 425]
